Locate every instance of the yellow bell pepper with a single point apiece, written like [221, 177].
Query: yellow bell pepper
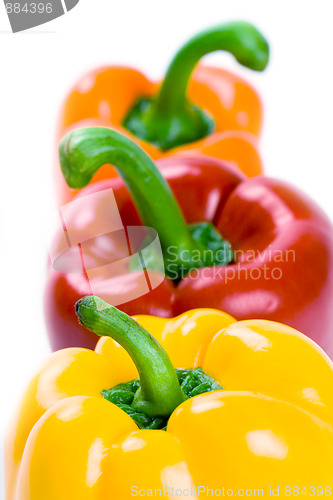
[268, 432]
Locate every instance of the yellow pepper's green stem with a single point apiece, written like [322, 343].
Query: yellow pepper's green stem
[160, 392]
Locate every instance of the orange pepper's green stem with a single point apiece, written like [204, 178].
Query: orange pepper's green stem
[84, 151]
[169, 119]
[160, 392]
[241, 39]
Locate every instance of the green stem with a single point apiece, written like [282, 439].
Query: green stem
[160, 391]
[84, 151]
[241, 39]
[169, 119]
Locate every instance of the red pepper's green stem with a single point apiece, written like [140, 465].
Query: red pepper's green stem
[84, 151]
[169, 119]
[160, 391]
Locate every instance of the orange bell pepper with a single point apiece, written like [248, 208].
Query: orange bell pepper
[212, 112]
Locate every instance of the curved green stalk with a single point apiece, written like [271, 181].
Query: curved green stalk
[84, 151]
[169, 119]
[160, 392]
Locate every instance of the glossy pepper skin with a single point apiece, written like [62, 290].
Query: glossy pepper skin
[271, 426]
[106, 95]
[278, 234]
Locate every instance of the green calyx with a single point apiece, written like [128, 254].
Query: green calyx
[160, 389]
[84, 151]
[189, 125]
[192, 382]
[169, 119]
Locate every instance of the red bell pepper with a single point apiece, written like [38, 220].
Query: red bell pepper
[281, 243]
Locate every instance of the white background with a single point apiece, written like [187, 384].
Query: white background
[39, 66]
